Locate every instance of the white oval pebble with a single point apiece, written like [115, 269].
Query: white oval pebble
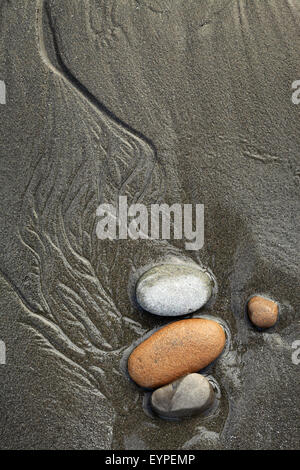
[187, 396]
[173, 289]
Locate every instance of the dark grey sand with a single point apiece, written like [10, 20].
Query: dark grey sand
[201, 92]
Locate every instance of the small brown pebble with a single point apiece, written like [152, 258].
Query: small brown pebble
[180, 348]
[262, 312]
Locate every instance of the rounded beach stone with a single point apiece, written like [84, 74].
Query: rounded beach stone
[190, 395]
[262, 312]
[173, 289]
[175, 350]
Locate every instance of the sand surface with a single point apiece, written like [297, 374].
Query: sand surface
[178, 101]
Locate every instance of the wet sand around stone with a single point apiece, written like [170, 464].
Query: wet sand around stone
[194, 100]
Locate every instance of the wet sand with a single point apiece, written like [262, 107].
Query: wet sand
[181, 102]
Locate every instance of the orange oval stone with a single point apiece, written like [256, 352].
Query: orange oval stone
[175, 350]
